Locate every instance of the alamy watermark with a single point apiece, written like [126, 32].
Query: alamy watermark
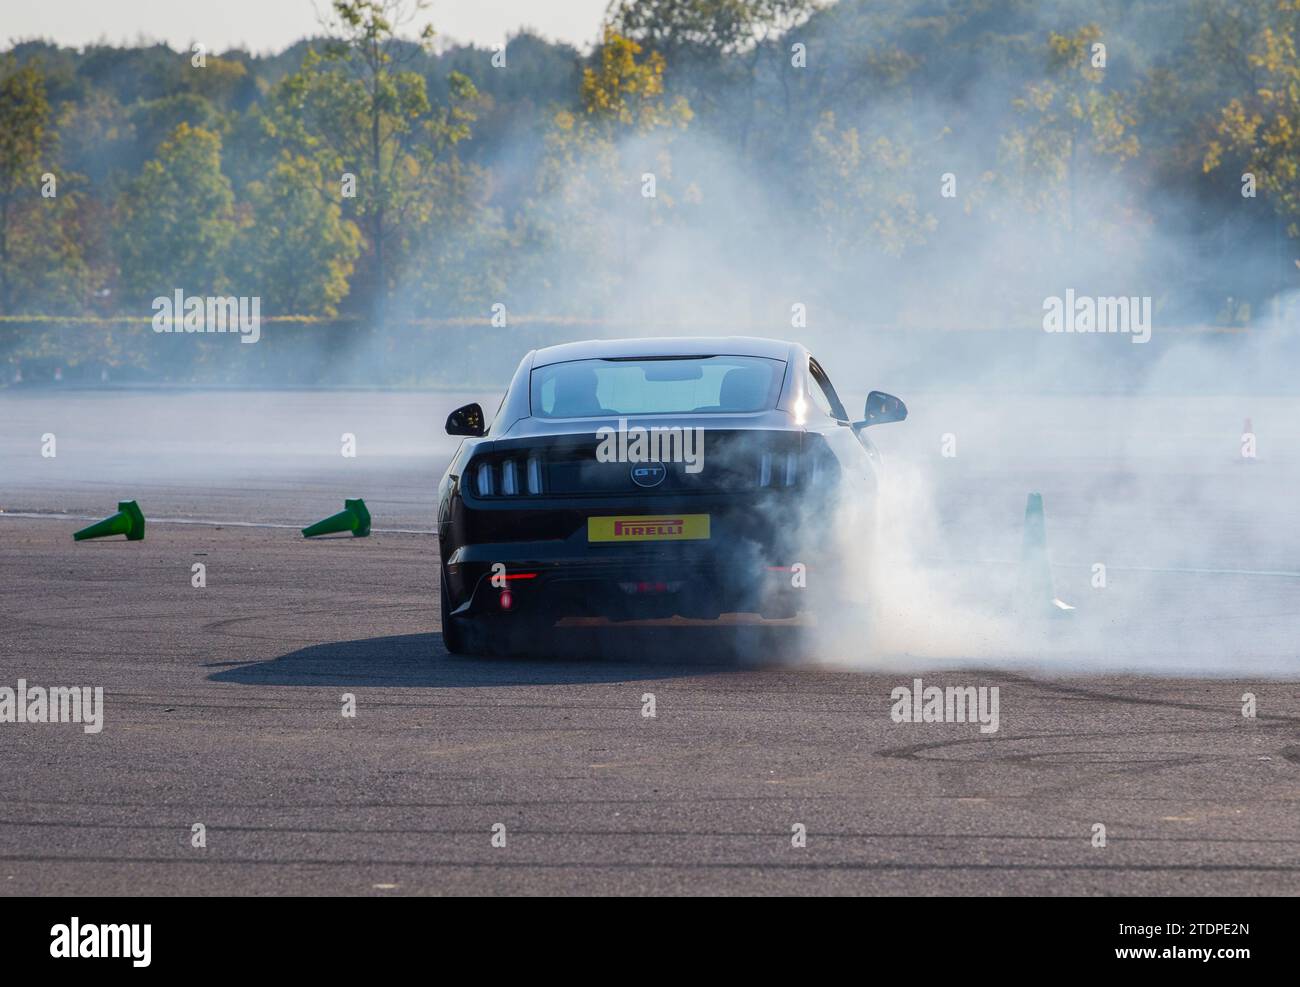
[1085, 313]
[57, 704]
[209, 313]
[102, 941]
[657, 444]
[954, 704]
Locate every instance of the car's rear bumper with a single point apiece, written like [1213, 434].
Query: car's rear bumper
[553, 580]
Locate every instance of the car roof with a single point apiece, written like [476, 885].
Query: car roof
[670, 346]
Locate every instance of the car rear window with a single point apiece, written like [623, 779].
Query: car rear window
[675, 386]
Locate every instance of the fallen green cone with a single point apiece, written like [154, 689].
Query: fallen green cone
[354, 518]
[129, 521]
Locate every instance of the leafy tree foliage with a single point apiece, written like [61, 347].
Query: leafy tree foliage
[176, 219]
[294, 249]
[775, 131]
[1261, 129]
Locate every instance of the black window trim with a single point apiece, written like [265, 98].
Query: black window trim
[820, 378]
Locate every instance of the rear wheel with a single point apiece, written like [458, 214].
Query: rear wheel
[523, 637]
[454, 632]
[493, 637]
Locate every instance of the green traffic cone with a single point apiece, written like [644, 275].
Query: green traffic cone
[354, 517]
[129, 521]
[1035, 589]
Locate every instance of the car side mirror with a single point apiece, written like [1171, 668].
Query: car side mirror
[882, 408]
[466, 421]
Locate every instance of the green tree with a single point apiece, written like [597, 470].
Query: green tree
[713, 49]
[175, 220]
[1072, 127]
[861, 192]
[95, 134]
[295, 250]
[355, 109]
[153, 121]
[704, 29]
[224, 82]
[587, 209]
[459, 265]
[620, 93]
[1260, 131]
[46, 270]
[25, 140]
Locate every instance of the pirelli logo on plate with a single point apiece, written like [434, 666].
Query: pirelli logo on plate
[669, 527]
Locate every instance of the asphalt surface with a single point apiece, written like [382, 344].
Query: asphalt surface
[223, 705]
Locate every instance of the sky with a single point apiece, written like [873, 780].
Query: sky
[271, 25]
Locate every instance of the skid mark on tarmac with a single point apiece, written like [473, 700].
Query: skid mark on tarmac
[1231, 709]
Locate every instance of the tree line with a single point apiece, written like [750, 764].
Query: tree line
[370, 172]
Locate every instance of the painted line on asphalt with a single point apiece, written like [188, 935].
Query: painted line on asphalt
[1180, 570]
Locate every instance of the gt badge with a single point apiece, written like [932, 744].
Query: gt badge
[649, 474]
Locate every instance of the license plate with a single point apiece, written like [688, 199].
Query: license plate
[665, 527]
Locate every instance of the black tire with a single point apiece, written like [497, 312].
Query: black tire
[529, 637]
[454, 636]
[507, 636]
